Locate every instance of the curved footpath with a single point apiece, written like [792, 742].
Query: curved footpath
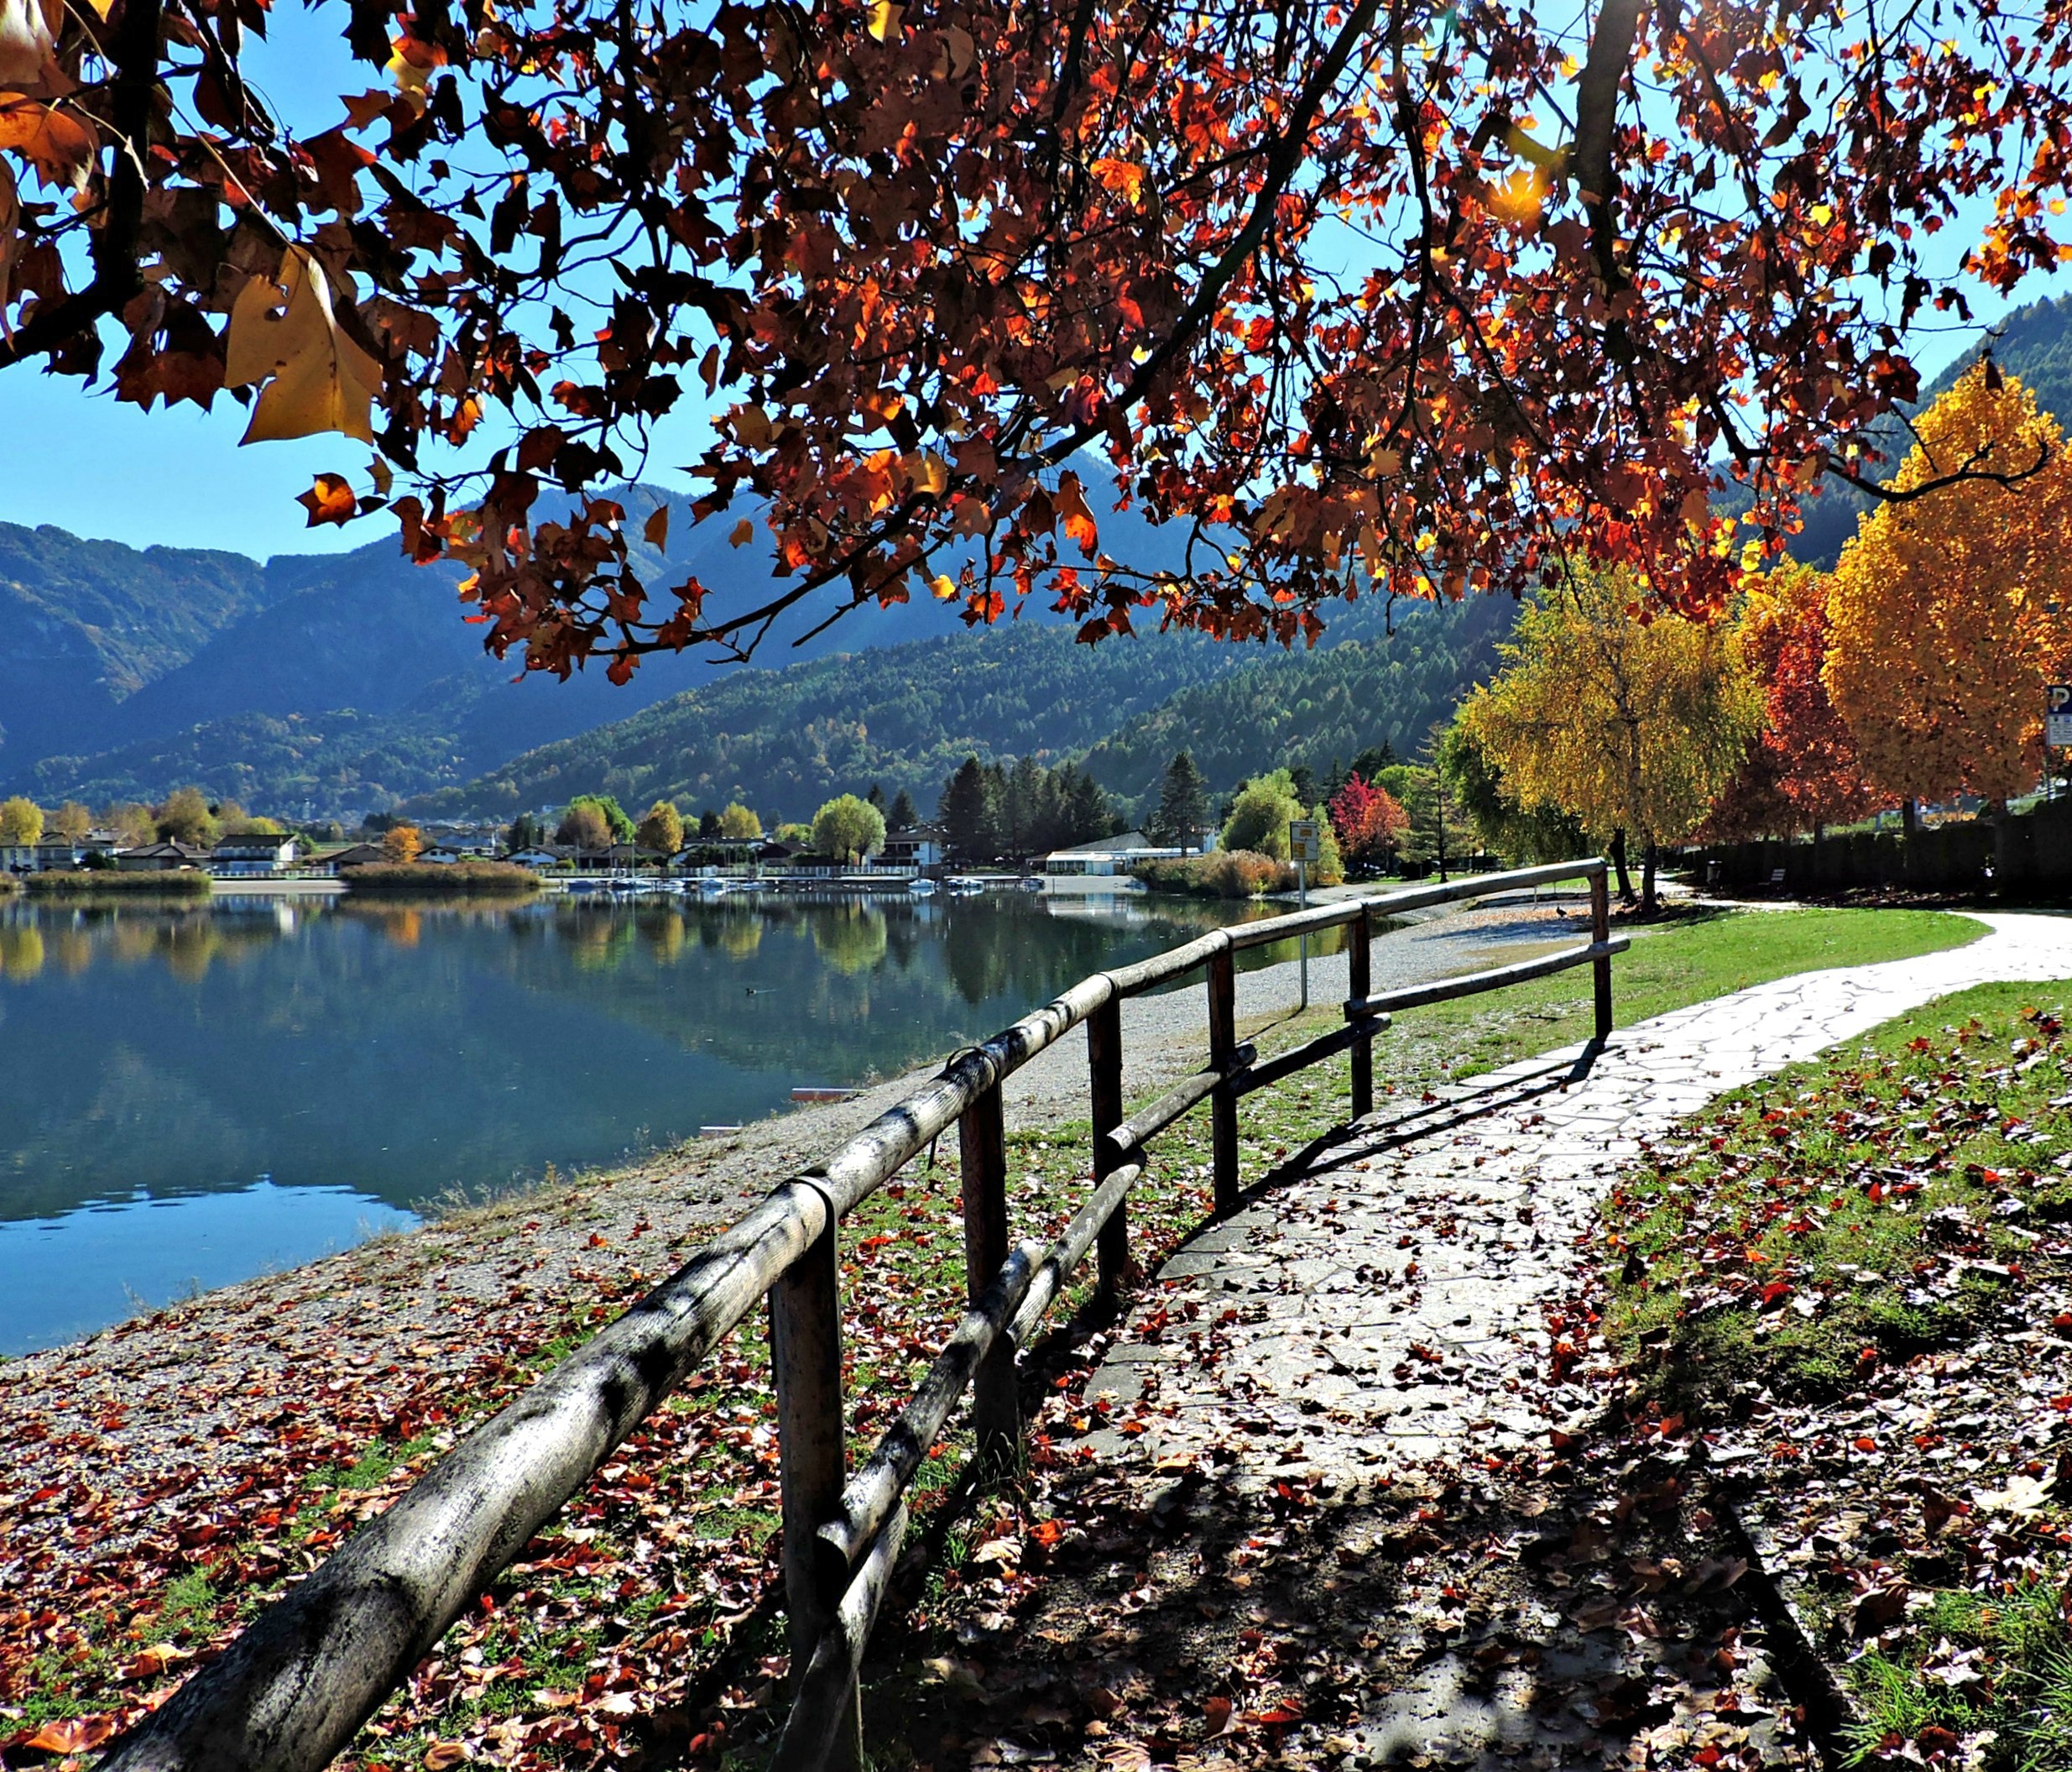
[1371, 1334]
[1448, 1226]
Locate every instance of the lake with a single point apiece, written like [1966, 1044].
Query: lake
[195, 1095]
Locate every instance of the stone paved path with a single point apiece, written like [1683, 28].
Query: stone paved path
[1374, 1304]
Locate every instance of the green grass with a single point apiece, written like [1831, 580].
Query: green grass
[2020, 1709]
[1670, 966]
[1852, 1212]
[1797, 1234]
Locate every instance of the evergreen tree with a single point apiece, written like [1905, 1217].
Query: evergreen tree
[1305, 780]
[963, 812]
[1182, 812]
[905, 814]
[875, 797]
[526, 832]
[708, 825]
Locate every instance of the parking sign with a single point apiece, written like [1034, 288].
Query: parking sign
[2057, 714]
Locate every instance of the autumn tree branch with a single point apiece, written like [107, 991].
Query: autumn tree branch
[117, 277]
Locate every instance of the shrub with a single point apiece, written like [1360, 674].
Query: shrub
[422, 877]
[1220, 874]
[73, 882]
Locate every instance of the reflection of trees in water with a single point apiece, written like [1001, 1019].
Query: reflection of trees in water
[21, 951]
[851, 937]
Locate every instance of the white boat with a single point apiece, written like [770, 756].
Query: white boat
[1032, 883]
[922, 888]
[709, 888]
[965, 883]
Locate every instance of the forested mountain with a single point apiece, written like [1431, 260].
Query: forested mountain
[906, 716]
[342, 682]
[902, 716]
[2033, 343]
[1315, 708]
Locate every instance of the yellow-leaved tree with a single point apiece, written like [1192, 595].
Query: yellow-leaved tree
[1946, 616]
[1629, 721]
[21, 820]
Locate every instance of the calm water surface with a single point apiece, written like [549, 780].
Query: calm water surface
[191, 1096]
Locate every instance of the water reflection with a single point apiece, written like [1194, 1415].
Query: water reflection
[258, 1049]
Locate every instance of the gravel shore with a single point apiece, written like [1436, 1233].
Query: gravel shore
[171, 1386]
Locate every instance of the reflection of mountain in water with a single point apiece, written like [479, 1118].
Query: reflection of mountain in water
[400, 1050]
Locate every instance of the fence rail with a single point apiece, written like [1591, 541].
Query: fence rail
[292, 1691]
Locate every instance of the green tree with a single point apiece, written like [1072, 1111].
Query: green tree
[661, 830]
[250, 824]
[905, 814]
[619, 826]
[798, 836]
[848, 829]
[21, 820]
[737, 824]
[526, 832]
[1330, 868]
[968, 813]
[1182, 812]
[1261, 814]
[184, 816]
[1544, 833]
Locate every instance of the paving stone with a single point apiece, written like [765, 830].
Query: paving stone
[1416, 1364]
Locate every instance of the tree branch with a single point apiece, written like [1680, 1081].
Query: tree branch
[116, 277]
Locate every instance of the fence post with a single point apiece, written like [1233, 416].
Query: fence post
[806, 1359]
[1601, 933]
[1360, 983]
[1222, 1103]
[1104, 1073]
[982, 1149]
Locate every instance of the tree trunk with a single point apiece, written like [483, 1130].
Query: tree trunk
[1649, 904]
[1909, 817]
[1618, 862]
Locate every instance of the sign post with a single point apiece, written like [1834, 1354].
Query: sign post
[1305, 849]
[2057, 725]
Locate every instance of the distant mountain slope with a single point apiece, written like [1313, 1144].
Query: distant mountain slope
[338, 683]
[906, 716]
[903, 716]
[2033, 343]
[85, 624]
[1317, 707]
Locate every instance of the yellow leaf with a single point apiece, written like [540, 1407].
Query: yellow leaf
[927, 472]
[411, 79]
[944, 586]
[377, 471]
[884, 20]
[655, 530]
[322, 379]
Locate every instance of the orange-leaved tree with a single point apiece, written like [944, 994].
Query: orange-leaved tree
[1802, 769]
[1348, 293]
[1947, 614]
[403, 843]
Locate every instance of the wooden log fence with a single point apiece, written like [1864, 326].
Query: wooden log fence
[293, 1689]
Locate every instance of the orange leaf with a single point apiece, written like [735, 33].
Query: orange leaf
[73, 1735]
[58, 148]
[1216, 1710]
[655, 530]
[329, 500]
